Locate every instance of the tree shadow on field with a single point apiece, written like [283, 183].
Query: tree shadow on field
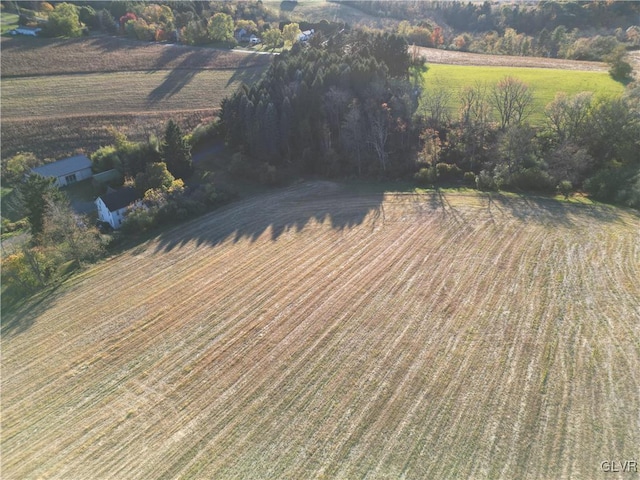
[549, 210]
[247, 72]
[275, 213]
[180, 76]
[19, 313]
[439, 201]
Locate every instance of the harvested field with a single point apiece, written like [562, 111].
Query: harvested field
[316, 333]
[46, 56]
[54, 137]
[61, 96]
[448, 57]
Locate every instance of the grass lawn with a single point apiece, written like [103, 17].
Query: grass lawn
[544, 82]
[8, 21]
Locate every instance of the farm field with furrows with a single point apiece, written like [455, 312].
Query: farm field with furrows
[313, 332]
[79, 88]
[543, 82]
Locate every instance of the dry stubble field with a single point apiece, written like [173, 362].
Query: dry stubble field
[61, 96]
[317, 333]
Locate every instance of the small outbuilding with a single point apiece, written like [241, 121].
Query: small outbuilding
[66, 171]
[112, 207]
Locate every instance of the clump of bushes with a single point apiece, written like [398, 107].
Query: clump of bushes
[469, 178]
[486, 182]
[426, 176]
[164, 206]
[448, 171]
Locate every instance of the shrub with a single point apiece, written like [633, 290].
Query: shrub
[239, 166]
[486, 182]
[619, 69]
[619, 185]
[268, 174]
[139, 219]
[469, 178]
[14, 168]
[105, 158]
[426, 176]
[564, 188]
[202, 134]
[448, 171]
[64, 21]
[531, 179]
[9, 226]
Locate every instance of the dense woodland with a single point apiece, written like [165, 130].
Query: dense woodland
[573, 30]
[349, 107]
[585, 30]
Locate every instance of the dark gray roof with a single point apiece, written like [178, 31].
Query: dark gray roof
[120, 198]
[63, 167]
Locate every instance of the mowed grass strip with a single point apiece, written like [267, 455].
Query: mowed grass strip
[544, 83]
[313, 332]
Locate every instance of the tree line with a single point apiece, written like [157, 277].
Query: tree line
[322, 110]
[349, 107]
[572, 30]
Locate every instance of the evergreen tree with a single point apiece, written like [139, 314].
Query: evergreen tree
[176, 152]
[34, 193]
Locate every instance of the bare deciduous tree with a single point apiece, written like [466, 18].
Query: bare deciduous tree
[435, 106]
[512, 100]
[353, 134]
[567, 117]
[379, 120]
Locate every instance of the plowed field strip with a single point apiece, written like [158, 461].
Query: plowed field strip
[312, 333]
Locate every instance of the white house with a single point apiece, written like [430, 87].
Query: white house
[112, 207]
[66, 171]
[240, 34]
[306, 35]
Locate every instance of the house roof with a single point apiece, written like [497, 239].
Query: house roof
[63, 167]
[120, 198]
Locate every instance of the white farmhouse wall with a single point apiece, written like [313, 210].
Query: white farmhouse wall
[78, 176]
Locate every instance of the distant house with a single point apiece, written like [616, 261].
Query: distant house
[66, 171]
[112, 207]
[240, 35]
[29, 31]
[306, 35]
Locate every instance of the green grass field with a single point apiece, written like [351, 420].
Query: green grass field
[8, 21]
[545, 82]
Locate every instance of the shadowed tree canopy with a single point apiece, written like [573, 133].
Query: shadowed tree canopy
[34, 194]
[176, 151]
[306, 101]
